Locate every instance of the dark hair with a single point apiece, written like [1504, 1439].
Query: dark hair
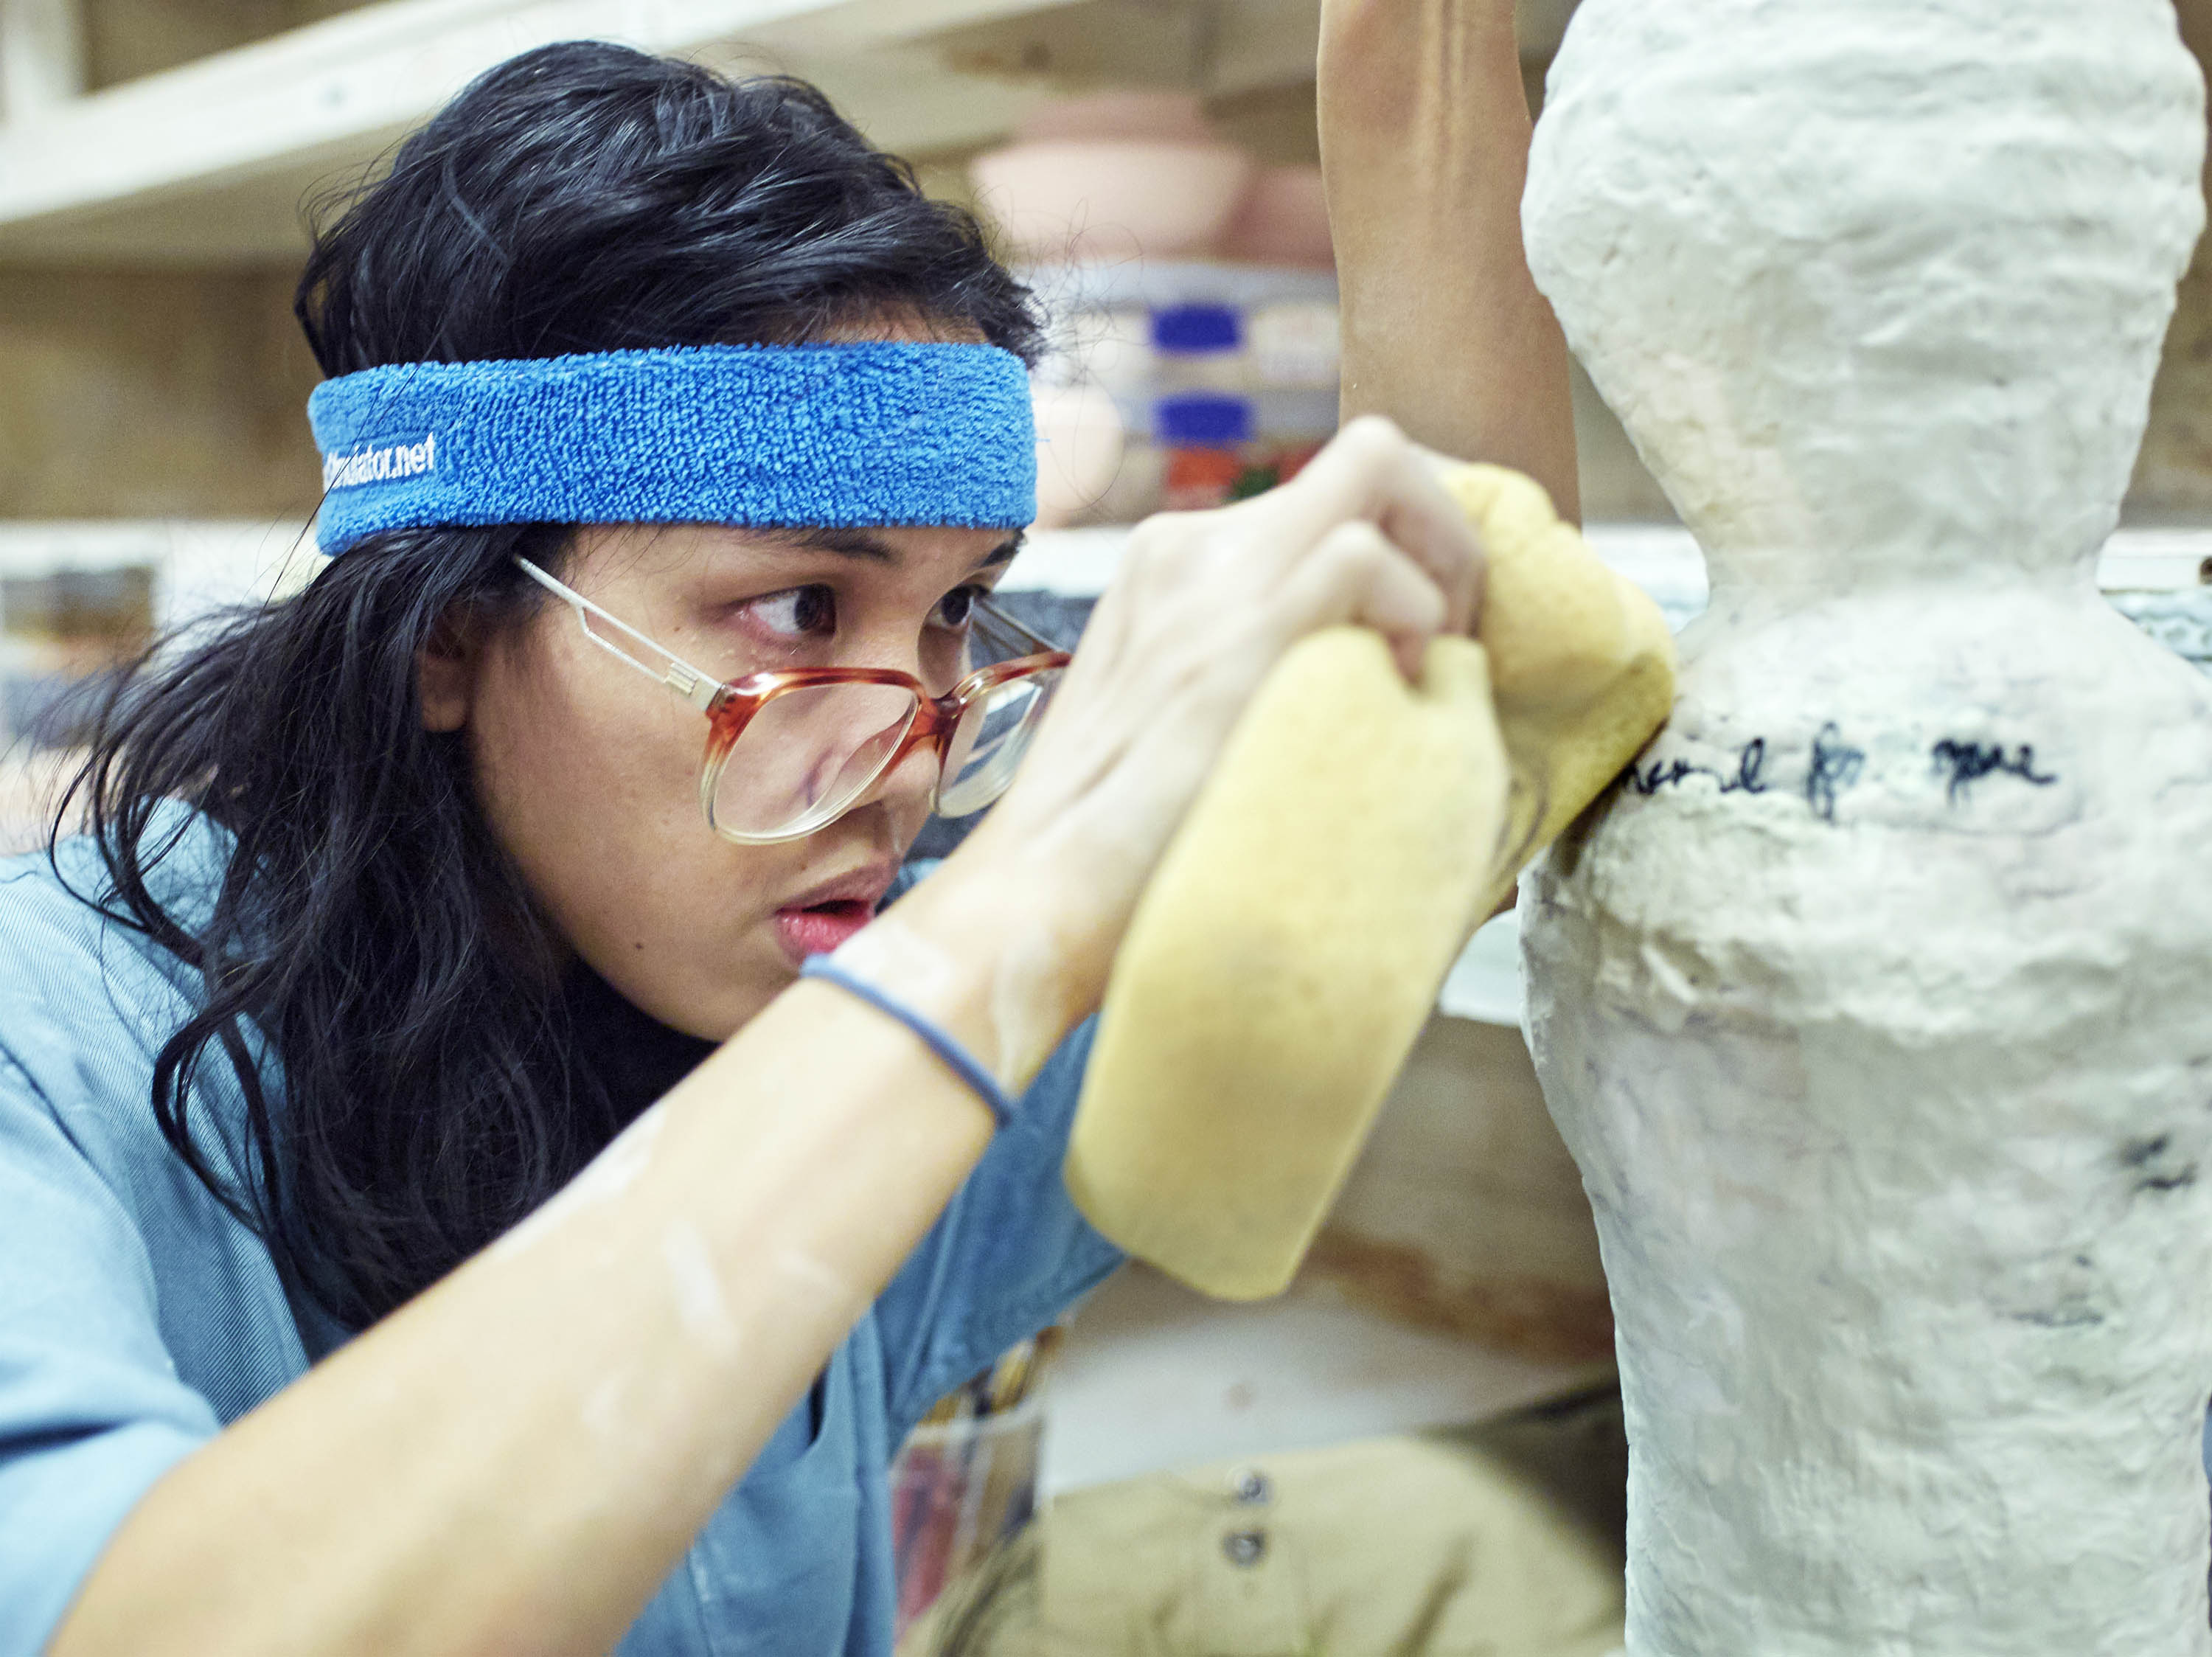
[367, 927]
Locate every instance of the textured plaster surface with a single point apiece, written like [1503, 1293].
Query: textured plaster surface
[1873, 1004]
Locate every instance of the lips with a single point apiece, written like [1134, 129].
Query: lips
[823, 916]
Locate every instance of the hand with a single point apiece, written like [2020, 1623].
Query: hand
[1205, 604]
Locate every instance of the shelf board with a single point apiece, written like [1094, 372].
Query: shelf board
[1662, 559]
[210, 159]
[1155, 1376]
[208, 163]
[199, 564]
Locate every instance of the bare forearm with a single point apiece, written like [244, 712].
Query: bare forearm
[1425, 139]
[514, 1461]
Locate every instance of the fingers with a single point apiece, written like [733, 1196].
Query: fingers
[1372, 474]
[1432, 467]
[1365, 534]
[1162, 545]
[1356, 573]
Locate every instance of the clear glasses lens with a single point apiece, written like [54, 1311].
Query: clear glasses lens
[808, 754]
[993, 735]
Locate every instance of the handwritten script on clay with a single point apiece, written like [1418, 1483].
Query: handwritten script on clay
[1875, 1004]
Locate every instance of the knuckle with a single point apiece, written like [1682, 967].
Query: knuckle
[1154, 544]
[1357, 542]
[1150, 532]
[1373, 436]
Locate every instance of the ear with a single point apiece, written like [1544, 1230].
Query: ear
[446, 674]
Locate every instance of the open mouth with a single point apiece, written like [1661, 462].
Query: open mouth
[818, 928]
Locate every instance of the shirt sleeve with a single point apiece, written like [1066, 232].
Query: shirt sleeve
[92, 1411]
[1007, 1256]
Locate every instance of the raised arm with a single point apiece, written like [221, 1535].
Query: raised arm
[512, 1461]
[1424, 144]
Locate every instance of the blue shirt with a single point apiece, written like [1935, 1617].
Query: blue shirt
[138, 1317]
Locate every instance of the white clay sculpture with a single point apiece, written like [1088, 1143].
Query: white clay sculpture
[1875, 1004]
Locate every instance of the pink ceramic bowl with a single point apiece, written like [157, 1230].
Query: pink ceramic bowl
[1079, 443]
[1162, 117]
[1112, 199]
[1283, 220]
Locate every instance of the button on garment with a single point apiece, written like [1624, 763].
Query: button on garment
[138, 1317]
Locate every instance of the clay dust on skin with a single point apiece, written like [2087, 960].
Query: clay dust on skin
[1872, 1006]
[900, 959]
[696, 1282]
[618, 1411]
[606, 1414]
[815, 1279]
[1025, 1016]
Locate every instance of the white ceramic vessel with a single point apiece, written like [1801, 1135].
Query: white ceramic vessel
[1877, 1006]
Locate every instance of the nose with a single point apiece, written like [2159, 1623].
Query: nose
[905, 795]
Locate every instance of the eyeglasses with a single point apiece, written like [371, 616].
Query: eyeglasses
[788, 753]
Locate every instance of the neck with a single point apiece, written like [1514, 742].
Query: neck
[631, 1055]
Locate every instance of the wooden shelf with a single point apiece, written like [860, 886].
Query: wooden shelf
[207, 162]
[2152, 573]
[1662, 559]
[197, 565]
[1156, 1376]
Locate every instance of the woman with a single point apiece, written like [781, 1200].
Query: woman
[407, 906]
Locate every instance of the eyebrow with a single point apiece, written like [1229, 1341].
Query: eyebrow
[1004, 552]
[866, 544]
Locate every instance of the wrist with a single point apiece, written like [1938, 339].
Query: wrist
[982, 949]
[950, 1052]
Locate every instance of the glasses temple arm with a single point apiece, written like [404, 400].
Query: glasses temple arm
[1006, 618]
[680, 676]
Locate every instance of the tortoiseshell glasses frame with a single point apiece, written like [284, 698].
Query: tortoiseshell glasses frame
[824, 736]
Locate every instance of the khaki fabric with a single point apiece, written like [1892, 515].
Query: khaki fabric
[1503, 1540]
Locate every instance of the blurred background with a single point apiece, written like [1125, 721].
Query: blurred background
[1152, 166]
[1152, 160]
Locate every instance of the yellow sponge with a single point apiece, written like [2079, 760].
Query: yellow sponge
[1290, 945]
[1285, 956]
[1581, 665]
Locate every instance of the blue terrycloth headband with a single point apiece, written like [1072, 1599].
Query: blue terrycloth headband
[880, 432]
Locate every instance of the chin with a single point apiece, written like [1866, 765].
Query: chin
[700, 1001]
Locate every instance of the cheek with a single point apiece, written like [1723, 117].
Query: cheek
[594, 794]
[573, 771]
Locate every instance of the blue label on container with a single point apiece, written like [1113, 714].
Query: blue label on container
[1201, 419]
[1187, 329]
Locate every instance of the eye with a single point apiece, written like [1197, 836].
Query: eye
[797, 612]
[958, 608]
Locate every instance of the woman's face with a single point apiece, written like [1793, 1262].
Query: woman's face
[589, 772]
